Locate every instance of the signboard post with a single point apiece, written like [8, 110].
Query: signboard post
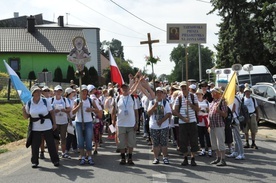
[187, 34]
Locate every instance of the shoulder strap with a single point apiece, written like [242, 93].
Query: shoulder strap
[44, 101]
[132, 96]
[29, 104]
[193, 98]
[238, 99]
[164, 102]
[254, 102]
[180, 102]
[52, 100]
[90, 101]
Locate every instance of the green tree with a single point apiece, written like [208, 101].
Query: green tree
[70, 74]
[245, 32]
[178, 57]
[58, 75]
[94, 76]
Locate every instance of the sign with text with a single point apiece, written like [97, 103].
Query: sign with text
[186, 33]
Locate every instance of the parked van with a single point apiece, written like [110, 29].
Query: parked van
[260, 73]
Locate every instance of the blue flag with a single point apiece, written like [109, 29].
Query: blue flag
[24, 94]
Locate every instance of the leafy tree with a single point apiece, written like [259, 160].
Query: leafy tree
[115, 47]
[31, 75]
[70, 74]
[94, 76]
[178, 57]
[246, 32]
[58, 75]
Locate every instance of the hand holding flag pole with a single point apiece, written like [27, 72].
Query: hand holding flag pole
[22, 91]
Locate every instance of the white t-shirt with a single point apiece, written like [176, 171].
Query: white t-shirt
[35, 110]
[87, 117]
[126, 107]
[61, 117]
[183, 108]
[202, 106]
[249, 104]
[237, 102]
[155, 116]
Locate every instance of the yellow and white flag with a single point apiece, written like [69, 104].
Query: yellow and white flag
[230, 90]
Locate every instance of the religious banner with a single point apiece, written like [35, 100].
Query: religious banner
[79, 55]
[186, 33]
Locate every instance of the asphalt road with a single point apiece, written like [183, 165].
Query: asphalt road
[259, 166]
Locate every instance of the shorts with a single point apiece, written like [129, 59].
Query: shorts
[159, 137]
[62, 129]
[126, 137]
[217, 137]
[252, 125]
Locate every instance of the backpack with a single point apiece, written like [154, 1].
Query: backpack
[193, 101]
[244, 114]
[229, 118]
[43, 99]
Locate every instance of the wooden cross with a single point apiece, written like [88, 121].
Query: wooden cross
[149, 42]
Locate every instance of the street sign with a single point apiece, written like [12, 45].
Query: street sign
[186, 33]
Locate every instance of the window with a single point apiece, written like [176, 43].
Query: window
[15, 64]
[260, 90]
[270, 92]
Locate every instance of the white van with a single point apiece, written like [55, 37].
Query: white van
[260, 73]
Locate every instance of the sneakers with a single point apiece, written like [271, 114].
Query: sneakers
[202, 153]
[41, 156]
[82, 161]
[246, 145]
[35, 165]
[222, 163]
[233, 155]
[166, 161]
[95, 152]
[215, 162]
[254, 146]
[193, 163]
[210, 153]
[185, 162]
[65, 155]
[240, 157]
[56, 164]
[90, 161]
[155, 161]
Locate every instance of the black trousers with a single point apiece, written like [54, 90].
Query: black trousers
[36, 142]
[203, 135]
[71, 141]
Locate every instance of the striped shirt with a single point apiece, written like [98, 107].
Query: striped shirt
[183, 109]
[215, 118]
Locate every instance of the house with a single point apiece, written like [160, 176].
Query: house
[38, 44]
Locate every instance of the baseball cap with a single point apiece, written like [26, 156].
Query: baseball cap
[90, 87]
[159, 89]
[68, 90]
[84, 87]
[58, 87]
[183, 83]
[247, 89]
[199, 91]
[34, 88]
[216, 89]
[192, 86]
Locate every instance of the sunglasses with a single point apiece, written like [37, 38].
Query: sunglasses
[46, 90]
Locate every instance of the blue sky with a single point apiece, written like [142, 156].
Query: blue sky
[117, 23]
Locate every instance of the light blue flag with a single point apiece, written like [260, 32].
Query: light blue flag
[24, 94]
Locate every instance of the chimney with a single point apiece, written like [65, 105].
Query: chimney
[31, 24]
[15, 14]
[60, 21]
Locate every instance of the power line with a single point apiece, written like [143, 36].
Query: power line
[105, 29]
[137, 16]
[108, 17]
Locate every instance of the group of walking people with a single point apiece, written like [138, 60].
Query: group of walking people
[191, 115]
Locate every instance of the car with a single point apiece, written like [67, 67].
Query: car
[265, 94]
